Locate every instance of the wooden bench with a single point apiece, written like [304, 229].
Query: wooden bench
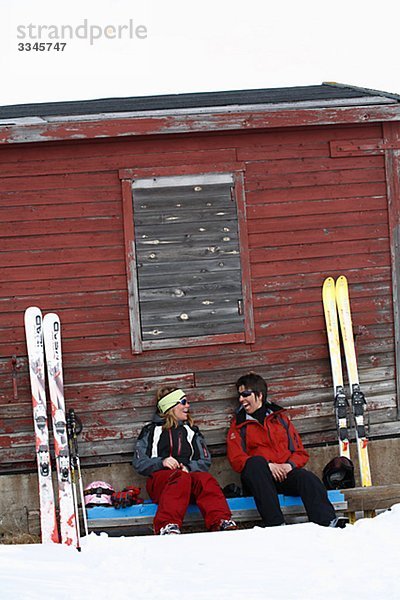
[139, 518]
[368, 500]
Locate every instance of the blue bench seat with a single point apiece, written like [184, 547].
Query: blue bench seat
[104, 518]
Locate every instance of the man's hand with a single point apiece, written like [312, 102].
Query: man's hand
[171, 463]
[280, 471]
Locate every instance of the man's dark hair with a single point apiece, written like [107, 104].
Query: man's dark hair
[252, 381]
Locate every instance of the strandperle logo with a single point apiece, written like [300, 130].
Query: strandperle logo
[84, 31]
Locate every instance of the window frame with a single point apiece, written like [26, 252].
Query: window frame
[247, 336]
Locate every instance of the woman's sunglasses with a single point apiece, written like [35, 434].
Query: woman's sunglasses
[246, 393]
[183, 401]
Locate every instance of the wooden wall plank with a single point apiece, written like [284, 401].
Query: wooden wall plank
[103, 162]
[310, 207]
[260, 195]
[247, 140]
[67, 195]
[64, 211]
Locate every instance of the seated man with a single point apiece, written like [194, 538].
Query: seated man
[265, 448]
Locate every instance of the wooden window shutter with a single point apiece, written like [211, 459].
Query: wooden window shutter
[187, 248]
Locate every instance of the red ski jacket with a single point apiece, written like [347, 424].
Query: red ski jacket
[277, 440]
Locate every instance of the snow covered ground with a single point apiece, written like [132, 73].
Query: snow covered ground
[301, 561]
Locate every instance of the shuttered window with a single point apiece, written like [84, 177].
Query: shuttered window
[189, 283]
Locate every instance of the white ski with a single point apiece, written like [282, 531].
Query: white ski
[52, 344]
[34, 341]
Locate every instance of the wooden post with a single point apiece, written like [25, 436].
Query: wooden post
[392, 164]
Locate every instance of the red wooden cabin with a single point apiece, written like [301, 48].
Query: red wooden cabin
[185, 239]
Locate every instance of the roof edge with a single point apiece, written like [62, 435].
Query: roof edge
[198, 123]
[371, 91]
[326, 93]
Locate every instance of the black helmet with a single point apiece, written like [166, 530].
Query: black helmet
[232, 491]
[339, 474]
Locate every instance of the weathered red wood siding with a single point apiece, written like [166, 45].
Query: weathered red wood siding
[310, 215]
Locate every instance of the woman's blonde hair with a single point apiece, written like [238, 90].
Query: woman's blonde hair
[170, 419]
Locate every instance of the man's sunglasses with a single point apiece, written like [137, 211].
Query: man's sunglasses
[246, 393]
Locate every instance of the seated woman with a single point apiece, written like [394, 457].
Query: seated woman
[264, 446]
[171, 451]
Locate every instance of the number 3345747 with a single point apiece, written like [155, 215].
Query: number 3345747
[42, 46]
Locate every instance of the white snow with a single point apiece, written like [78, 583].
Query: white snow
[302, 561]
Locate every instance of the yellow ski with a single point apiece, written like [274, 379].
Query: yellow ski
[357, 397]
[332, 330]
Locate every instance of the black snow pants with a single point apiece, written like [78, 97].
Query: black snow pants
[258, 480]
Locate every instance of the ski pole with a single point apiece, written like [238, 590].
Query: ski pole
[73, 431]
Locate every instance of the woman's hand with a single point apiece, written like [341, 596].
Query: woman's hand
[280, 471]
[170, 463]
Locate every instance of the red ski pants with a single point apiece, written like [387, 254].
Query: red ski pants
[174, 490]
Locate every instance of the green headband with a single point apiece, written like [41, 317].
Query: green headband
[170, 400]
